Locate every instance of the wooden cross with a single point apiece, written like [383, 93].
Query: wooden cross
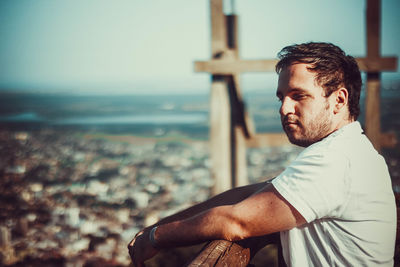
[229, 124]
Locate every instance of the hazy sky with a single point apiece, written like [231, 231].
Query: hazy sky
[149, 46]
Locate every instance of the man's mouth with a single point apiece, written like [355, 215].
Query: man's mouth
[289, 123]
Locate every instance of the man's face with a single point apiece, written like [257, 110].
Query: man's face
[306, 114]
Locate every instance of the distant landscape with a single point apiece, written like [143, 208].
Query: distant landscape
[159, 116]
[148, 114]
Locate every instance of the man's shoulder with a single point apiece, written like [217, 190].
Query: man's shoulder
[343, 142]
[324, 149]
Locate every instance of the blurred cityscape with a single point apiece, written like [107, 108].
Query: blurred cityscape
[69, 198]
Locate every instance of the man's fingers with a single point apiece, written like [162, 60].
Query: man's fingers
[131, 243]
[134, 239]
[139, 233]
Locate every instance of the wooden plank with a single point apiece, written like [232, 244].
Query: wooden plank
[239, 133]
[218, 28]
[222, 253]
[373, 23]
[232, 34]
[220, 114]
[372, 101]
[372, 110]
[377, 64]
[225, 67]
[240, 165]
[220, 142]
[250, 125]
[247, 121]
[239, 129]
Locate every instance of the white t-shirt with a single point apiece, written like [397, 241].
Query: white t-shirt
[342, 187]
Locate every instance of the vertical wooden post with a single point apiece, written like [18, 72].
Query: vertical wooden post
[220, 115]
[220, 142]
[372, 101]
[241, 177]
[218, 28]
[239, 162]
[240, 133]
[227, 133]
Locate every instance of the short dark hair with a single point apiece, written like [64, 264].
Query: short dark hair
[334, 69]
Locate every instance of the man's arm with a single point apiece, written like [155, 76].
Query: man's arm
[261, 213]
[140, 248]
[228, 197]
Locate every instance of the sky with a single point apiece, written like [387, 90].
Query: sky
[149, 46]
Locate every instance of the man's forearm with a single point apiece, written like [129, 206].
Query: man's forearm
[229, 197]
[212, 224]
[178, 233]
[260, 214]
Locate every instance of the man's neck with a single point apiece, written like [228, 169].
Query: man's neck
[339, 125]
[343, 123]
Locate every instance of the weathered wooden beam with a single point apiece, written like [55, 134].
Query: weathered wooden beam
[220, 135]
[240, 163]
[220, 113]
[232, 34]
[245, 120]
[372, 100]
[373, 23]
[226, 67]
[377, 64]
[228, 163]
[218, 28]
[222, 253]
[372, 109]
[240, 132]
[231, 66]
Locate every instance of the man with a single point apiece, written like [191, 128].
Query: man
[334, 205]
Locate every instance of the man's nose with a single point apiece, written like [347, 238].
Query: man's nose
[287, 106]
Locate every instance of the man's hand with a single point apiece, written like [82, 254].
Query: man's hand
[140, 248]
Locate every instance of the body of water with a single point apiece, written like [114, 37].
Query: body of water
[155, 119]
[146, 115]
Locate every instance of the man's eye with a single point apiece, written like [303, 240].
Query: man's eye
[298, 96]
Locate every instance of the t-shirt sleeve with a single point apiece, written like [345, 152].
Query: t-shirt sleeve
[315, 184]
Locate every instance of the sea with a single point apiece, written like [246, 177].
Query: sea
[149, 115]
[141, 115]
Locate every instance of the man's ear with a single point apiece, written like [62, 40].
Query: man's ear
[341, 99]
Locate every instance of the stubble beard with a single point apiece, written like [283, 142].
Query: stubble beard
[311, 131]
